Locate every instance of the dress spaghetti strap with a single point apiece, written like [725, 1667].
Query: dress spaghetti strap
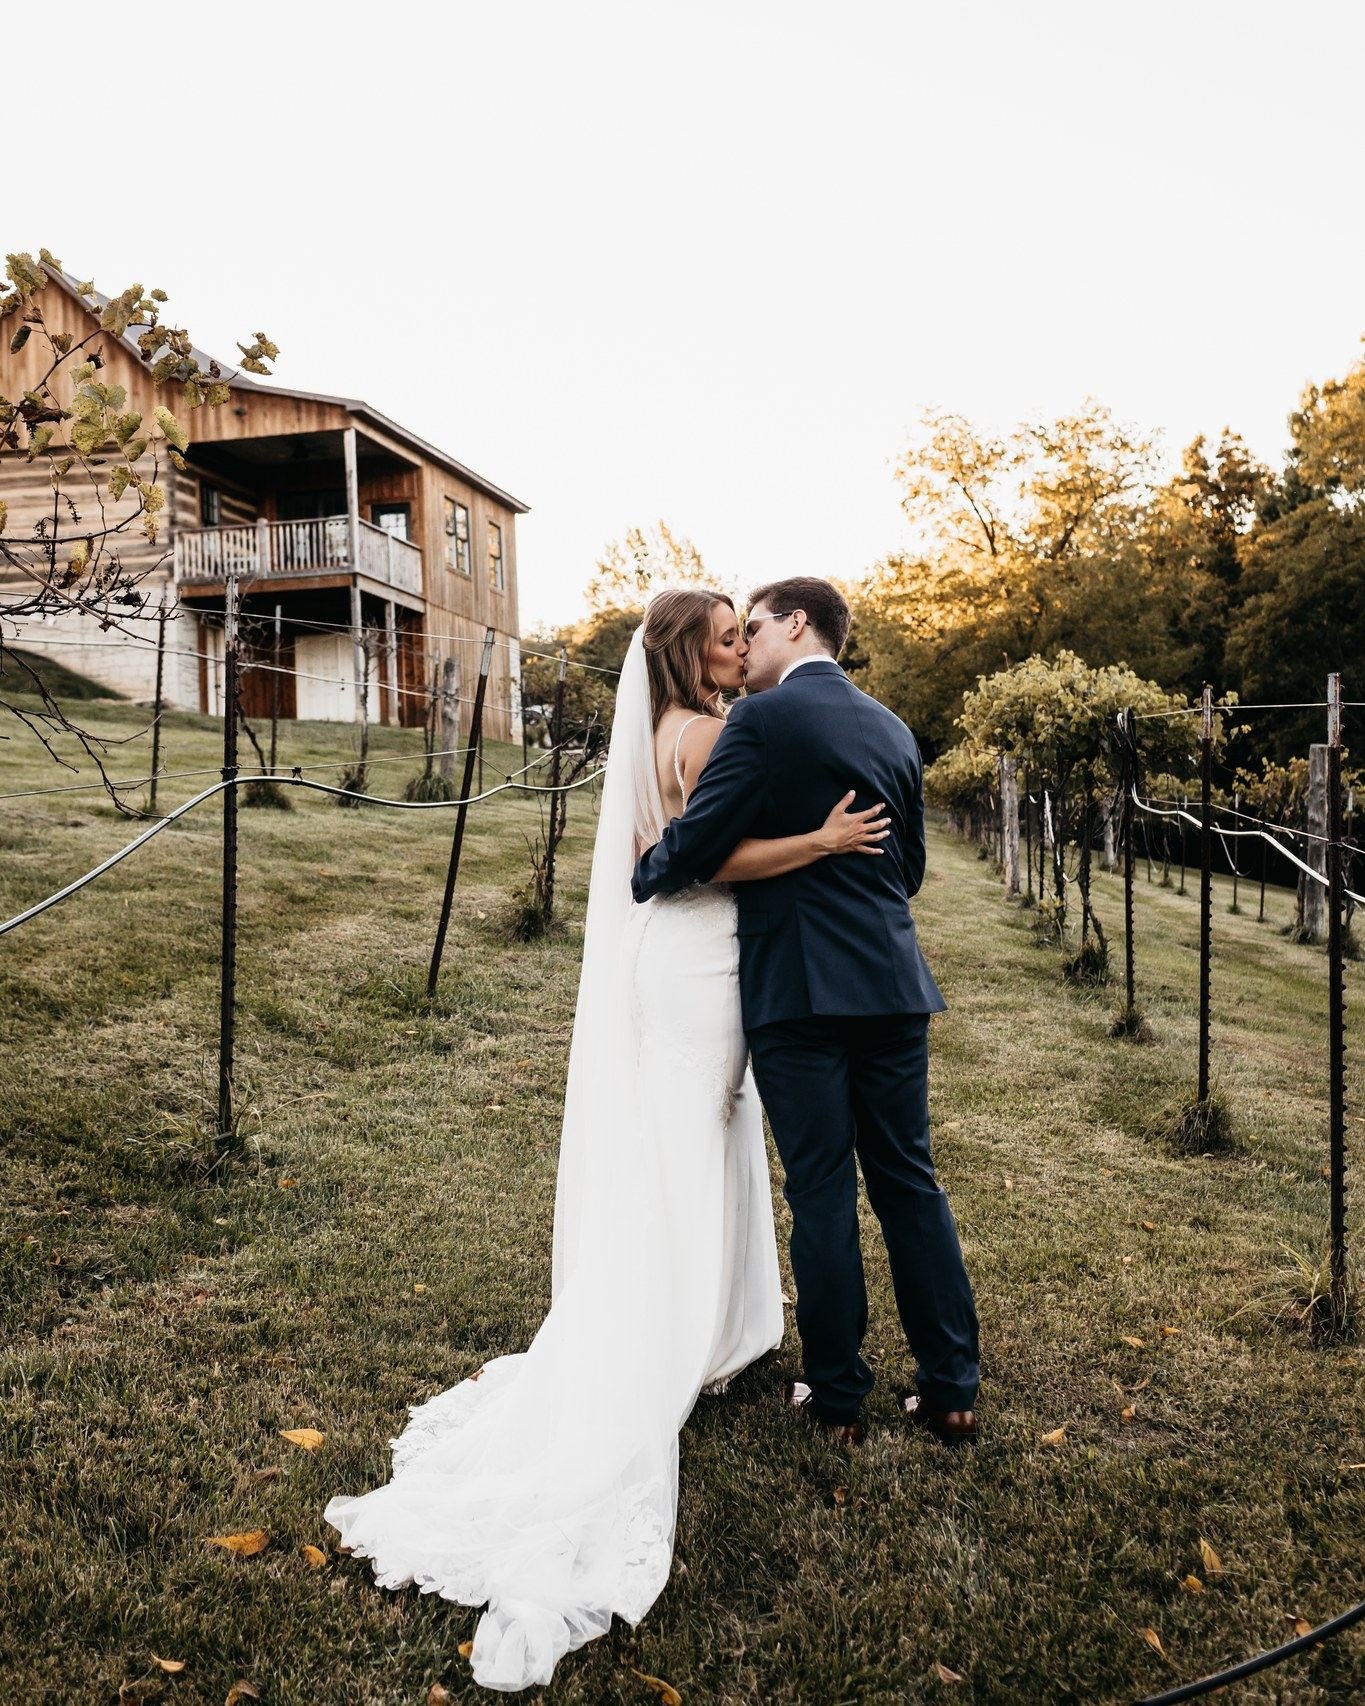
[677, 746]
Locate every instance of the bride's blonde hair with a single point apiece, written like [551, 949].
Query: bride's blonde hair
[677, 640]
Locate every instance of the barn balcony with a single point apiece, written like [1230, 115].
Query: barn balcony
[311, 552]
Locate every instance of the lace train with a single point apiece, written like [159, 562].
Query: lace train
[552, 1577]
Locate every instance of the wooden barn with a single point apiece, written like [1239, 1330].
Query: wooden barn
[337, 520]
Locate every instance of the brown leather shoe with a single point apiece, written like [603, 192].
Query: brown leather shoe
[953, 1427]
[796, 1395]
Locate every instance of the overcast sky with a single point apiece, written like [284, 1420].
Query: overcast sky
[710, 260]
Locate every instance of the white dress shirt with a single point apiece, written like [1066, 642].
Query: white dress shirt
[814, 657]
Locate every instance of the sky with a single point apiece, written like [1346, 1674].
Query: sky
[710, 260]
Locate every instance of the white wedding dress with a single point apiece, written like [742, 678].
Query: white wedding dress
[546, 1484]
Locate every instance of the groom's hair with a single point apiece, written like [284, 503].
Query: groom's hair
[825, 606]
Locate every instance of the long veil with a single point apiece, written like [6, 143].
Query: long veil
[546, 1484]
[606, 1027]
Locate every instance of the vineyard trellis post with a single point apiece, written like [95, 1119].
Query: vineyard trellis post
[1087, 836]
[450, 716]
[1205, 883]
[228, 984]
[1009, 826]
[1180, 824]
[525, 752]
[1236, 873]
[275, 696]
[557, 801]
[158, 704]
[1336, 906]
[1128, 771]
[462, 811]
[1028, 834]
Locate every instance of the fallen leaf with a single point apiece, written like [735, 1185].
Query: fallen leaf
[315, 1555]
[1127, 1413]
[244, 1545]
[1153, 1640]
[1212, 1562]
[840, 1495]
[477, 1372]
[665, 1690]
[1009, 1184]
[1136, 1343]
[1056, 1436]
[271, 1474]
[465, 1648]
[1192, 1584]
[309, 1438]
[1143, 1383]
[240, 1691]
[942, 1672]
[1169, 1331]
[419, 1288]
[171, 1666]
[1149, 1226]
[1127, 1260]
[436, 1695]
[288, 1184]
[1302, 1626]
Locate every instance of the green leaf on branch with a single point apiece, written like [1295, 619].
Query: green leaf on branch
[175, 433]
[88, 436]
[122, 310]
[38, 440]
[26, 275]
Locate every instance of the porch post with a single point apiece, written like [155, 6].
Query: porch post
[353, 537]
[391, 652]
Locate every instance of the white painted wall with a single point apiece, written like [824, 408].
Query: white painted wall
[125, 663]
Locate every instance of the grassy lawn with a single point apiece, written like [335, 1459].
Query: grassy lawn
[387, 1228]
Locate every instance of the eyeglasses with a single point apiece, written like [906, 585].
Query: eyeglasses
[747, 624]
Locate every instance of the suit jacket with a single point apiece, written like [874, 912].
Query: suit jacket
[835, 937]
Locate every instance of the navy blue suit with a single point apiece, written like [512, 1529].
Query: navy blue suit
[836, 999]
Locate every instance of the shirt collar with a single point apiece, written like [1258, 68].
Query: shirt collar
[814, 657]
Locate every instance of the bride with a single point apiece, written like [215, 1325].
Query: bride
[545, 1484]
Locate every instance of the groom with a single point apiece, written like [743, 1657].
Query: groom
[836, 999]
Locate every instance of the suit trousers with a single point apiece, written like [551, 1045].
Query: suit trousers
[836, 1086]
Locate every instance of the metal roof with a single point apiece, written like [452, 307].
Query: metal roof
[354, 405]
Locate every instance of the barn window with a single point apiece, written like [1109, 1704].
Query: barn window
[496, 577]
[210, 512]
[457, 537]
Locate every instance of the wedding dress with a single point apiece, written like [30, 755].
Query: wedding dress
[546, 1483]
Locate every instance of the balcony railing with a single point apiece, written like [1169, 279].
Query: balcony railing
[265, 549]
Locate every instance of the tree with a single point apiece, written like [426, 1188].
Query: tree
[631, 570]
[1328, 429]
[1302, 614]
[1058, 718]
[103, 462]
[1027, 546]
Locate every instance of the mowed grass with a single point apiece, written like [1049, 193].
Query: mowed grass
[388, 1227]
